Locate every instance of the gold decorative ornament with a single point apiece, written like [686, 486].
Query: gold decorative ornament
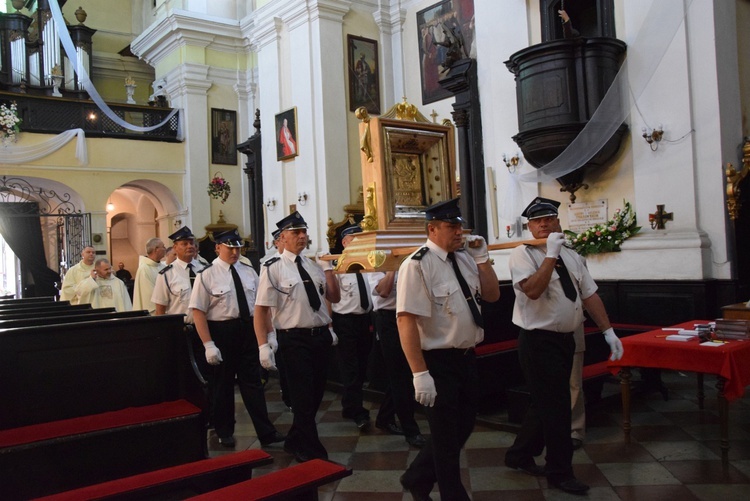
[405, 111]
[370, 221]
[376, 258]
[734, 179]
[365, 144]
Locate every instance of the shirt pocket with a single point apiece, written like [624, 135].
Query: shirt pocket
[444, 293]
[221, 293]
[287, 285]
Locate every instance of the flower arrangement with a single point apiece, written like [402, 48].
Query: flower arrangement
[607, 237]
[219, 188]
[9, 122]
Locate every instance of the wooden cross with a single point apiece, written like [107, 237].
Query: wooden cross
[659, 218]
[434, 116]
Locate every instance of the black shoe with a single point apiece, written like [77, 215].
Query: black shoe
[531, 468]
[300, 456]
[571, 486]
[577, 443]
[391, 428]
[227, 441]
[274, 438]
[363, 423]
[417, 440]
[417, 493]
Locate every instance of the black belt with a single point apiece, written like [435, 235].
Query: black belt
[455, 351]
[315, 331]
[548, 333]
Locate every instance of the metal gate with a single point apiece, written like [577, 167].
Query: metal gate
[60, 219]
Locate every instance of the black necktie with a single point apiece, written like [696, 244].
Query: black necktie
[467, 292]
[312, 293]
[241, 298]
[191, 274]
[364, 301]
[567, 283]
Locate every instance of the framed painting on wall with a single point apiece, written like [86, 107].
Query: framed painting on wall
[223, 136]
[364, 83]
[286, 134]
[436, 26]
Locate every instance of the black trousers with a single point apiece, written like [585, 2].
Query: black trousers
[400, 386]
[546, 360]
[305, 355]
[451, 423]
[239, 351]
[355, 342]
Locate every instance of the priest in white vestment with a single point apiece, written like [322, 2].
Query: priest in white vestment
[76, 274]
[145, 278]
[102, 289]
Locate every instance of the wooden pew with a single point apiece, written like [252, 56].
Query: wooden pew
[299, 482]
[87, 315]
[21, 304]
[95, 401]
[66, 309]
[36, 300]
[176, 482]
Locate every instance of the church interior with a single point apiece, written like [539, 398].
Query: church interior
[123, 121]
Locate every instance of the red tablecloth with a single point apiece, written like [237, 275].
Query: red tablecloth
[730, 360]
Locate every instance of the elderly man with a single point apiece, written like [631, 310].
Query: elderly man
[552, 286]
[222, 303]
[102, 289]
[76, 274]
[293, 289]
[439, 295]
[145, 278]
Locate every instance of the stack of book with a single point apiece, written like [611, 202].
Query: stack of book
[732, 329]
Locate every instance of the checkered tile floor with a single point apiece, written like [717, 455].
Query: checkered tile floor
[674, 453]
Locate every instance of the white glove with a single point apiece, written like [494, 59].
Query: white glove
[324, 264]
[476, 246]
[213, 355]
[555, 242]
[424, 388]
[272, 341]
[614, 344]
[267, 359]
[334, 337]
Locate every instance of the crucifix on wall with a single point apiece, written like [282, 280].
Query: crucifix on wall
[659, 219]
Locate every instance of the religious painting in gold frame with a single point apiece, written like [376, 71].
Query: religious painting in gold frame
[412, 167]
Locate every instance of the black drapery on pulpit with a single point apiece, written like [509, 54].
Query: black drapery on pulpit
[21, 229]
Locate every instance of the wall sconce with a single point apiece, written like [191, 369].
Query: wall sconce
[511, 162]
[110, 205]
[302, 198]
[271, 204]
[509, 232]
[653, 136]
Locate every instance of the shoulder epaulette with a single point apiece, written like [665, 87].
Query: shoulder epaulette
[271, 261]
[420, 253]
[245, 264]
[205, 267]
[165, 269]
[202, 261]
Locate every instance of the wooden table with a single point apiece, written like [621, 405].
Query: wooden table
[729, 361]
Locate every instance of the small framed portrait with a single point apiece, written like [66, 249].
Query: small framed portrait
[364, 84]
[223, 137]
[286, 134]
[445, 26]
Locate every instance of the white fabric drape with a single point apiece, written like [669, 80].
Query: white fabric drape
[12, 154]
[83, 76]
